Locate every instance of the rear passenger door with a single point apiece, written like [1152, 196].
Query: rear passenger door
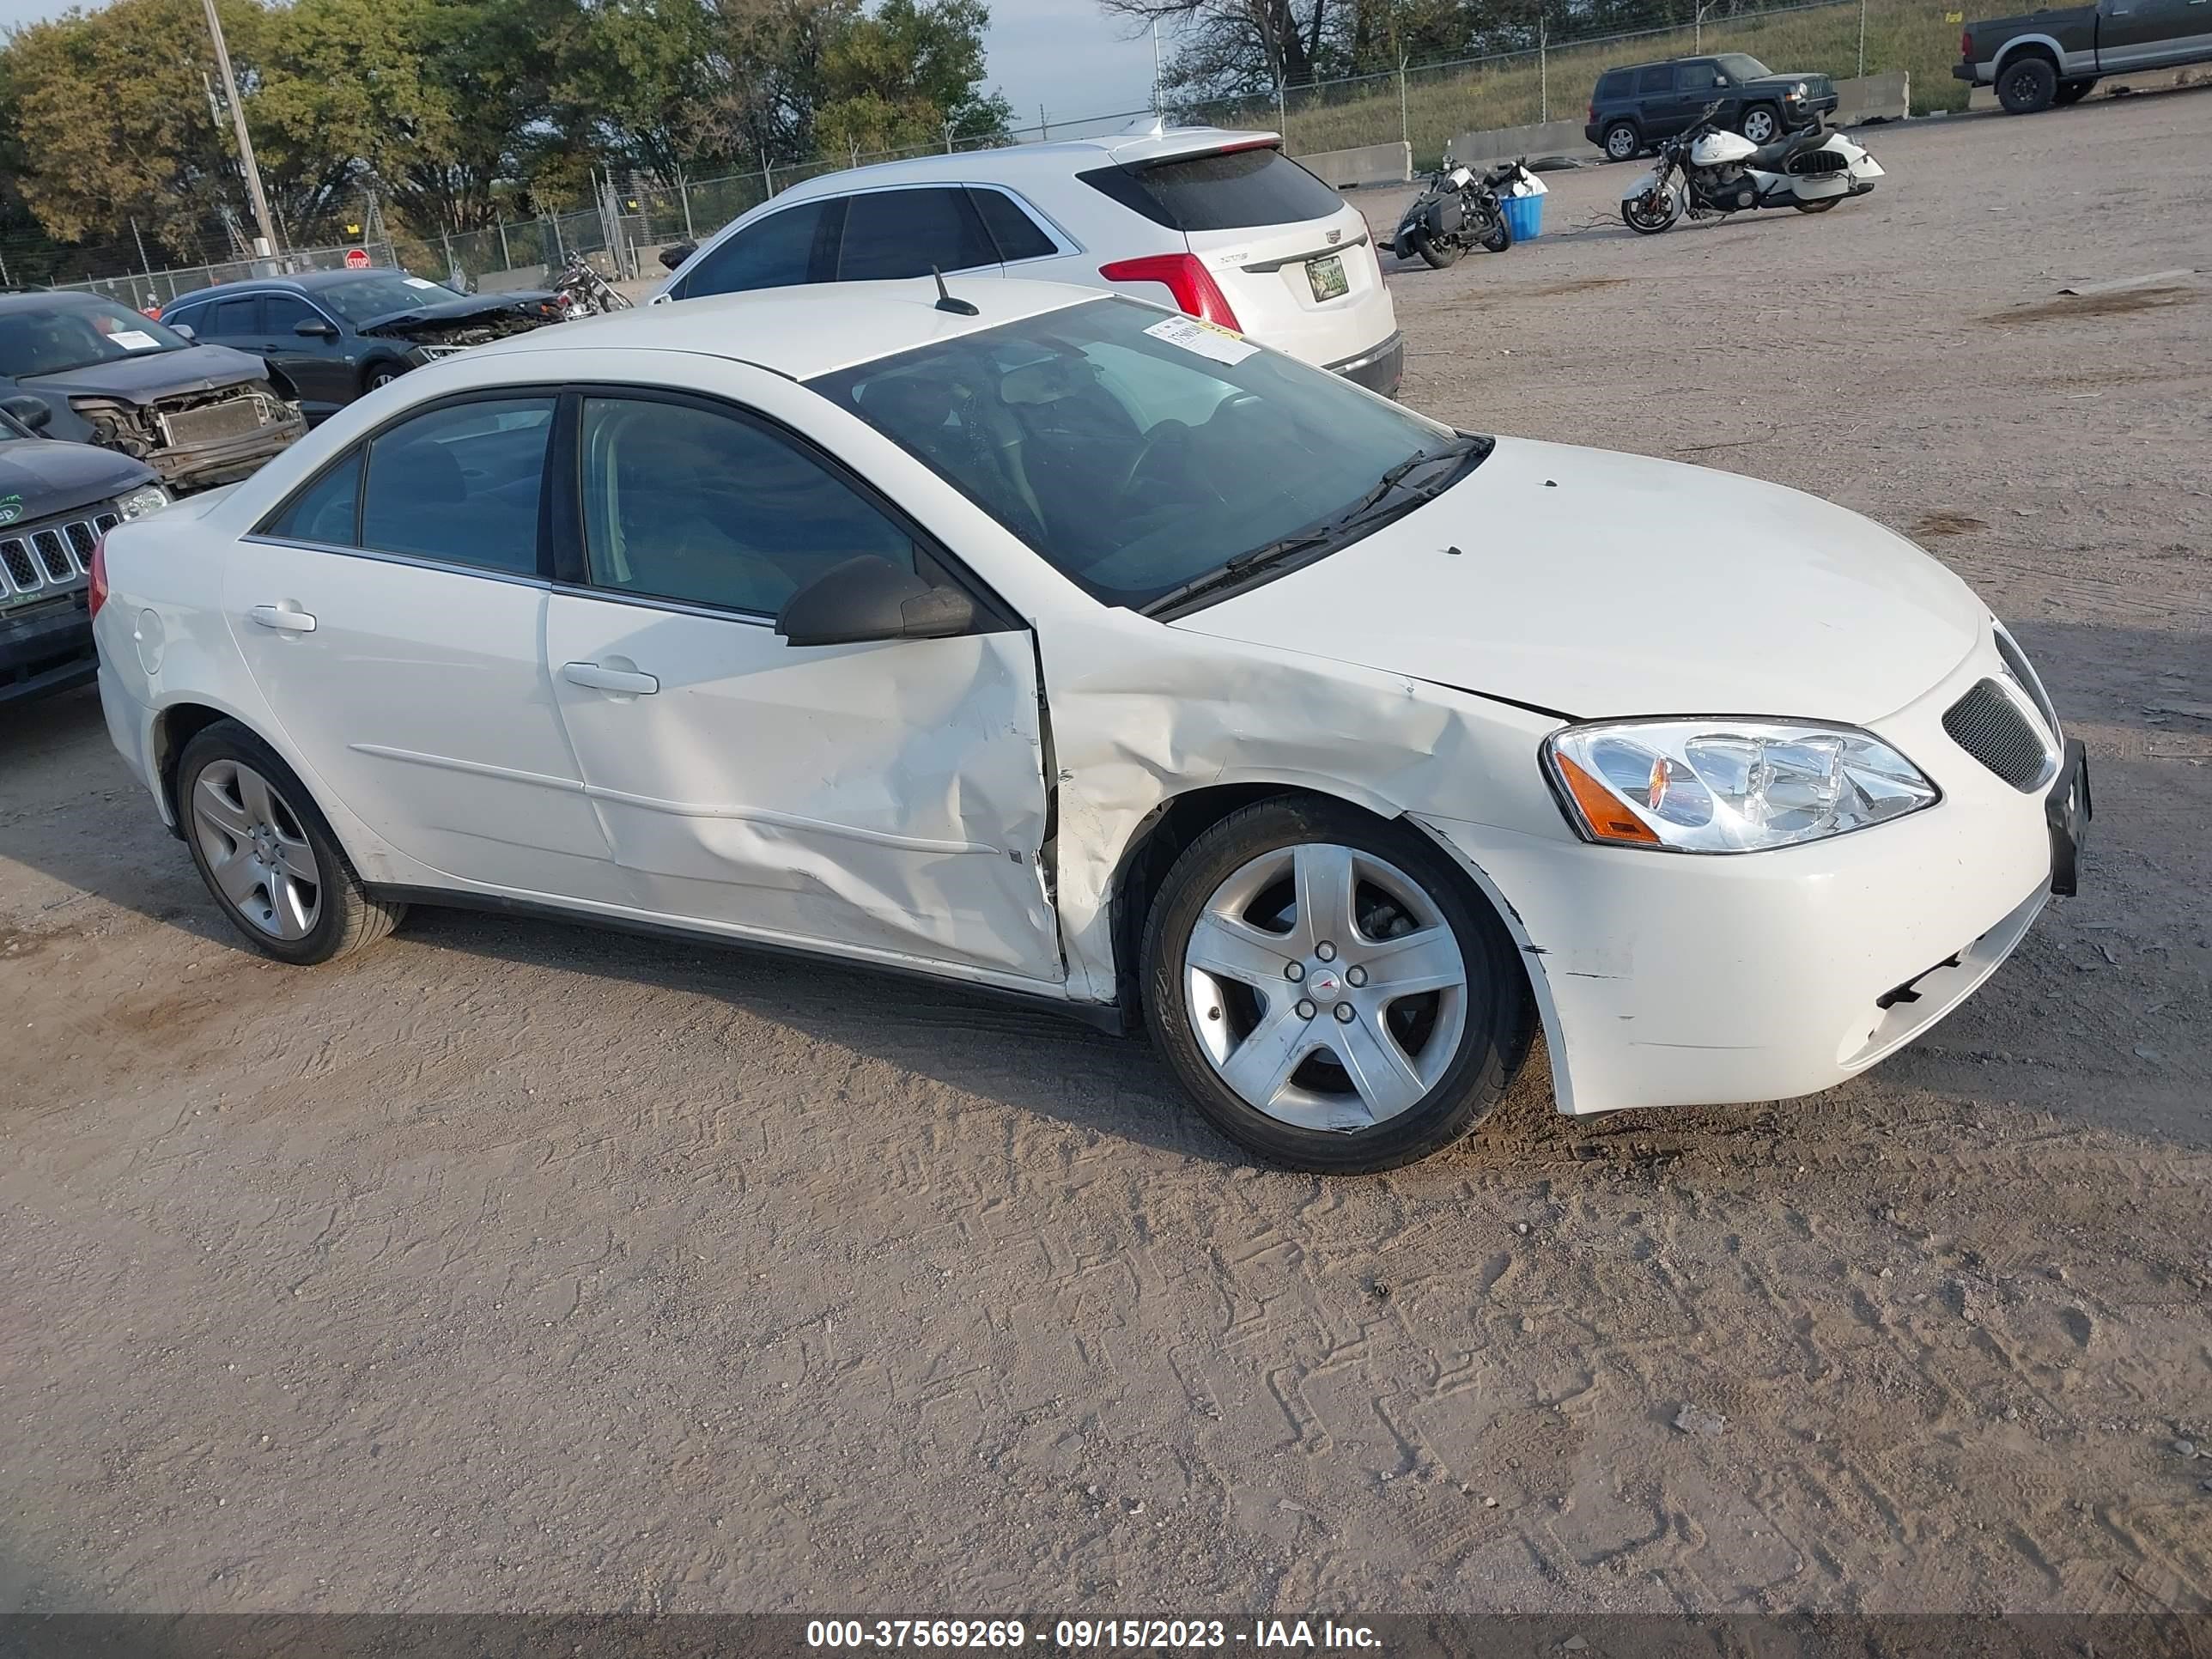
[1657, 104]
[392, 616]
[233, 322]
[892, 233]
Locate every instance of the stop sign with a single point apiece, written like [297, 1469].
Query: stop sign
[357, 259]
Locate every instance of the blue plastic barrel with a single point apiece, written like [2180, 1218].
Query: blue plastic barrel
[1524, 216]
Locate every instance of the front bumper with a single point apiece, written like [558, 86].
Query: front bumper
[203, 465]
[1668, 979]
[1381, 368]
[46, 650]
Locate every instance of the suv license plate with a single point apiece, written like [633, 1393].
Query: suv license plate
[1327, 276]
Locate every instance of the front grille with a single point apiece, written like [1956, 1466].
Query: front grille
[1994, 730]
[232, 418]
[50, 558]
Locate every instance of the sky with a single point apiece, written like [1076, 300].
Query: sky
[1060, 53]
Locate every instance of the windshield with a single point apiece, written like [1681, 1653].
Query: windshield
[384, 294]
[1742, 66]
[49, 339]
[1136, 450]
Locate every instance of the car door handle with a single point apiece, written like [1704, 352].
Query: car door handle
[286, 618]
[610, 679]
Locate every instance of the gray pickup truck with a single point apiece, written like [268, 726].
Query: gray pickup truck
[2048, 57]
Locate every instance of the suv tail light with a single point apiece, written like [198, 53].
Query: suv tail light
[1592, 117]
[1967, 44]
[95, 593]
[1194, 289]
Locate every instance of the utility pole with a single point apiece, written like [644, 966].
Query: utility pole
[1543, 71]
[1155, 66]
[1862, 40]
[245, 143]
[1405, 126]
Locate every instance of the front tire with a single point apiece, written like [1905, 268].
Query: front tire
[1761, 125]
[1622, 141]
[267, 854]
[1435, 254]
[380, 376]
[1652, 212]
[1332, 992]
[2027, 85]
[1498, 237]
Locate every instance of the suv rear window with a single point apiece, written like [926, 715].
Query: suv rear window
[1660, 77]
[1225, 190]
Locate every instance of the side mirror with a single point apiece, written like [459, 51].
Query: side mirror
[186, 332]
[672, 257]
[34, 413]
[315, 328]
[871, 598]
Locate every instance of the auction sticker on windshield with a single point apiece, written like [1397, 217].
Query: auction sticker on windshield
[1206, 339]
[132, 339]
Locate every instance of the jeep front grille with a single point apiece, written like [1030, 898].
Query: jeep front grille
[1996, 730]
[37, 560]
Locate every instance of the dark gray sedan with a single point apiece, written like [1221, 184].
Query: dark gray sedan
[198, 415]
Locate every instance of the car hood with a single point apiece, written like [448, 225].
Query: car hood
[154, 374]
[469, 307]
[1788, 78]
[41, 476]
[1590, 584]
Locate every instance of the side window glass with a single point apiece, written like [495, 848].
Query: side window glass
[460, 484]
[1019, 236]
[1660, 77]
[777, 252]
[903, 233]
[324, 511]
[231, 316]
[281, 313]
[1699, 77]
[684, 503]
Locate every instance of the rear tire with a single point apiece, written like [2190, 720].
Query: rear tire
[1272, 1060]
[2071, 92]
[267, 854]
[1820, 206]
[1435, 254]
[1622, 141]
[2027, 86]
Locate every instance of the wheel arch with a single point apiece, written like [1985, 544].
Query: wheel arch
[1161, 836]
[176, 724]
[2027, 46]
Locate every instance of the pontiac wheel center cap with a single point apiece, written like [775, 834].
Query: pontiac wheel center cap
[1323, 984]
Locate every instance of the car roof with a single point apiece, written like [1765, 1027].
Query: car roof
[801, 332]
[305, 282]
[1149, 141]
[44, 299]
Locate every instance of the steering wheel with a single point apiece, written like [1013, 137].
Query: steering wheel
[1165, 433]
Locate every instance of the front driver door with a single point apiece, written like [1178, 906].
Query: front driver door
[883, 800]
[316, 364]
[2136, 34]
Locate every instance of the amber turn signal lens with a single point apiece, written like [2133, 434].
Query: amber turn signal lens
[1605, 814]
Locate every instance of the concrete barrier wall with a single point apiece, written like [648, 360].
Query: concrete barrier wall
[1369, 164]
[1510, 144]
[1874, 98]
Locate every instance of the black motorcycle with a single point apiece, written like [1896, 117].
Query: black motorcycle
[1457, 208]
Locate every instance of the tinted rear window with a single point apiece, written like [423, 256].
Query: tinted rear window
[1233, 190]
[1013, 230]
[1660, 77]
[905, 233]
[1613, 83]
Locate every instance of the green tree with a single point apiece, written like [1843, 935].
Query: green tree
[905, 76]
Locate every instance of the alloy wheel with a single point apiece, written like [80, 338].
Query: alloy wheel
[258, 855]
[1325, 987]
[1758, 126]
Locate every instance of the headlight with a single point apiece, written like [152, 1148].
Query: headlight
[1724, 786]
[1800, 92]
[147, 498]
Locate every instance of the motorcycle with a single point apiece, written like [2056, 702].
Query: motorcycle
[1457, 210]
[1722, 173]
[582, 292]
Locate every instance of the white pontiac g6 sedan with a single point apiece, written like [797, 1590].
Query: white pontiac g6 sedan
[1047, 641]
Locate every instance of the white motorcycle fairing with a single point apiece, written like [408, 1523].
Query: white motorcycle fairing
[1717, 149]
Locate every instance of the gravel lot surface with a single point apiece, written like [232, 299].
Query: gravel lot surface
[516, 1265]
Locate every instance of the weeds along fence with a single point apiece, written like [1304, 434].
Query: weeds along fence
[1423, 105]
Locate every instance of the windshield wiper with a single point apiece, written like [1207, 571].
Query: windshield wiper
[1275, 552]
